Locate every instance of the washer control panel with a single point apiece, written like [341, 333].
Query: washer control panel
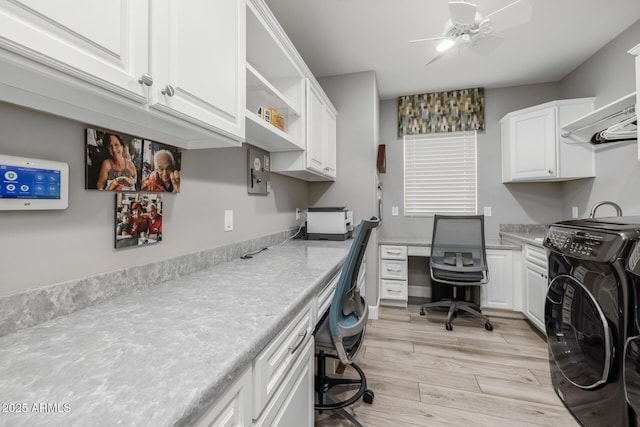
[584, 244]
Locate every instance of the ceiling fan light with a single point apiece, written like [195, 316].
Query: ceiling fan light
[444, 45]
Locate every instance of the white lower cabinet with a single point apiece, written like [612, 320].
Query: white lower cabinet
[536, 282]
[234, 409]
[292, 404]
[498, 292]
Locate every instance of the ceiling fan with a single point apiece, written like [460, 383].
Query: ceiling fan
[468, 28]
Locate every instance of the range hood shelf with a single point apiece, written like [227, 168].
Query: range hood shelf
[582, 129]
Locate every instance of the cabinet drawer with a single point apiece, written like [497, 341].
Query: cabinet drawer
[391, 269]
[535, 255]
[233, 409]
[274, 362]
[325, 297]
[393, 252]
[394, 289]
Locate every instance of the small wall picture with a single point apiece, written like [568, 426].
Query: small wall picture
[113, 161]
[120, 162]
[161, 166]
[138, 219]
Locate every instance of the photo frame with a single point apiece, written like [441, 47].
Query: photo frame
[138, 219]
[121, 162]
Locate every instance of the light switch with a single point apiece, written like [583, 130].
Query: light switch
[228, 220]
[487, 211]
[574, 212]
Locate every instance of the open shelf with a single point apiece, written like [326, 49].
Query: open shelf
[582, 129]
[267, 136]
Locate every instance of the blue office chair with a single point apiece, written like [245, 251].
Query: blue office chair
[340, 333]
[459, 259]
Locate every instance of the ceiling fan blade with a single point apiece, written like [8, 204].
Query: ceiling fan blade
[427, 39]
[514, 14]
[487, 44]
[435, 58]
[462, 13]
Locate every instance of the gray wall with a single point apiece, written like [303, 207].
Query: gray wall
[607, 75]
[356, 98]
[512, 203]
[40, 248]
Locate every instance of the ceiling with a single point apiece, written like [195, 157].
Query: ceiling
[346, 36]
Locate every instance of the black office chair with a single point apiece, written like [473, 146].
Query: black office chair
[459, 259]
[340, 333]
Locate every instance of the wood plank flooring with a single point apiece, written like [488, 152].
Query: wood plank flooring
[423, 375]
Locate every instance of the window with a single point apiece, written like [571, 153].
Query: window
[440, 174]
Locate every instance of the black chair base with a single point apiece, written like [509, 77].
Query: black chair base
[454, 305]
[327, 401]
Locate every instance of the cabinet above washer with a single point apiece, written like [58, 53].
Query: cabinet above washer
[534, 150]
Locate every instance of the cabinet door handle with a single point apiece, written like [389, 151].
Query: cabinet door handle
[298, 343]
[168, 90]
[550, 172]
[145, 79]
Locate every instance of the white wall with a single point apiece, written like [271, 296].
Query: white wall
[47, 247]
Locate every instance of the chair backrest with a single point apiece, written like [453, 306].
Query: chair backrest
[458, 253]
[349, 312]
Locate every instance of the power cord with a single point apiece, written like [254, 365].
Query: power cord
[249, 255]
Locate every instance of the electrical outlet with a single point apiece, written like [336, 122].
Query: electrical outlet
[297, 214]
[394, 210]
[574, 212]
[228, 220]
[487, 211]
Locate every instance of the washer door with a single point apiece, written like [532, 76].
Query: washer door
[578, 335]
[632, 372]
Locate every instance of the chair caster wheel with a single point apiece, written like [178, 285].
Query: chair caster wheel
[422, 312]
[367, 397]
[488, 326]
[448, 326]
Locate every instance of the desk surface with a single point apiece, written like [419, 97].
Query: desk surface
[160, 356]
[413, 241]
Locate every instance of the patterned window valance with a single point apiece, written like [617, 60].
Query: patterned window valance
[452, 111]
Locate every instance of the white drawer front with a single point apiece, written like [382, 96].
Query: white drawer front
[326, 296]
[394, 289]
[393, 252]
[536, 255]
[391, 269]
[274, 362]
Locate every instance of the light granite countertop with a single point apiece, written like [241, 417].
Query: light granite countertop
[531, 238]
[160, 356]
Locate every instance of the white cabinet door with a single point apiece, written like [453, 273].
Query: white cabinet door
[102, 42]
[198, 62]
[330, 141]
[498, 293]
[315, 130]
[292, 404]
[536, 281]
[533, 144]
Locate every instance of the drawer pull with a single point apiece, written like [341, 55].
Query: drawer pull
[394, 268]
[301, 337]
[394, 251]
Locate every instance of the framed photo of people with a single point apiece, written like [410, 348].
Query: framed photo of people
[121, 162]
[138, 219]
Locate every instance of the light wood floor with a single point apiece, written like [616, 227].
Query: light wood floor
[423, 375]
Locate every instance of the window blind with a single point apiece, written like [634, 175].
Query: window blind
[440, 174]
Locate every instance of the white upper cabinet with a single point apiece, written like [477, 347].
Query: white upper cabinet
[89, 61]
[198, 58]
[104, 43]
[534, 150]
[278, 78]
[275, 80]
